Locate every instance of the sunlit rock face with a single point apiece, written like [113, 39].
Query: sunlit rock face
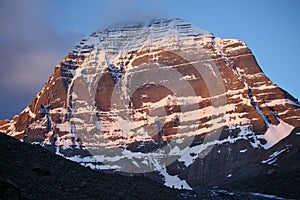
[165, 99]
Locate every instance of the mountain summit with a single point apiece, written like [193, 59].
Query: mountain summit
[165, 99]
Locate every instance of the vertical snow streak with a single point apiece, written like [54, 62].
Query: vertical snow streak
[234, 69]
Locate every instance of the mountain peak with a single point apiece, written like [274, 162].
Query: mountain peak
[134, 35]
[171, 23]
[163, 98]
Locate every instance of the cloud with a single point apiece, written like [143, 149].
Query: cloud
[35, 35]
[119, 11]
[29, 49]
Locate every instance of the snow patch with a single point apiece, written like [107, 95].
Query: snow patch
[275, 133]
[283, 102]
[31, 114]
[269, 196]
[243, 150]
[174, 181]
[273, 157]
[189, 77]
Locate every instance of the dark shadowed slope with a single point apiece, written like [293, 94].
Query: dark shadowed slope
[283, 165]
[32, 172]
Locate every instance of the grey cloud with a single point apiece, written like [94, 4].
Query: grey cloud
[31, 44]
[122, 11]
[29, 49]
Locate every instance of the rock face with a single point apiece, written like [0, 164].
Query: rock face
[165, 99]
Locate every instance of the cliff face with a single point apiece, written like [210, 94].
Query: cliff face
[165, 99]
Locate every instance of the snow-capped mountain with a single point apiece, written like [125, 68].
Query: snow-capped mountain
[165, 99]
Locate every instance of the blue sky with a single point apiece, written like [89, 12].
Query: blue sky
[35, 35]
